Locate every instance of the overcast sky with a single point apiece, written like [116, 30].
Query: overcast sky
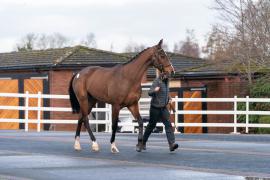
[116, 22]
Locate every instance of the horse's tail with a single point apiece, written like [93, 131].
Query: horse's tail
[73, 99]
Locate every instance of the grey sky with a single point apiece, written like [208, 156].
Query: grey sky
[114, 22]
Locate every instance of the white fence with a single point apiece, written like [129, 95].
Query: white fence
[144, 104]
[234, 112]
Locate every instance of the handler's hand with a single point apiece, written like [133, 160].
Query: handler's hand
[157, 89]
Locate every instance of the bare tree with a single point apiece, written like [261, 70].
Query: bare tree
[27, 42]
[89, 41]
[42, 42]
[57, 40]
[33, 41]
[111, 47]
[247, 39]
[134, 47]
[217, 45]
[189, 46]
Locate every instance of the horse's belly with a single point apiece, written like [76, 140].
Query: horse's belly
[98, 92]
[131, 99]
[106, 92]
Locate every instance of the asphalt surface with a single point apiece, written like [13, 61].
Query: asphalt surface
[50, 155]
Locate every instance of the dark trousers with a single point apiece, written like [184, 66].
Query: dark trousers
[157, 114]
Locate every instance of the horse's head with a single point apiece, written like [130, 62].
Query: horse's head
[161, 61]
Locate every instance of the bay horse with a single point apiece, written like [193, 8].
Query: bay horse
[119, 86]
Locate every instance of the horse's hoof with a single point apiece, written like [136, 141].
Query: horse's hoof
[114, 148]
[95, 147]
[77, 145]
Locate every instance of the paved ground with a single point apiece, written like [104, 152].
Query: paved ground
[49, 155]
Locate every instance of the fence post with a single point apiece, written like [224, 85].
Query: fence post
[26, 111]
[97, 114]
[247, 115]
[106, 118]
[110, 118]
[235, 115]
[176, 115]
[39, 111]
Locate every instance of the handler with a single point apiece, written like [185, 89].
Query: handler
[158, 110]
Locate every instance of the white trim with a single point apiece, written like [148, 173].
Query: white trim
[41, 77]
[198, 89]
[5, 78]
[146, 84]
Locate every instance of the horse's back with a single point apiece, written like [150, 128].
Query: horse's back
[99, 70]
[107, 85]
[95, 80]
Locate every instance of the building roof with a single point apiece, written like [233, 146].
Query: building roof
[80, 56]
[85, 56]
[189, 66]
[62, 57]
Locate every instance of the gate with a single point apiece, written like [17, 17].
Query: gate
[8, 85]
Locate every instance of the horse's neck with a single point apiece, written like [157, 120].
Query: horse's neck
[137, 68]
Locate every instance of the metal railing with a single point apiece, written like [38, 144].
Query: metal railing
[107, 110]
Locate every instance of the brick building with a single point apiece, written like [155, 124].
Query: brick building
[50, 71]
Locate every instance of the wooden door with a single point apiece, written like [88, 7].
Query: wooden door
[33, 86]
[9, 86]
[192, 118]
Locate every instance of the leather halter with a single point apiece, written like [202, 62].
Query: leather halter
[159, 66]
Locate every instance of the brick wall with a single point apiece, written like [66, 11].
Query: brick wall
[59, 84]
[226, 87]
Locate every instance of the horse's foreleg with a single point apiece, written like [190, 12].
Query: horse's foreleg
[115, 114]
[140, 136]
[134, 109]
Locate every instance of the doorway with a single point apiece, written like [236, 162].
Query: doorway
[193, 92]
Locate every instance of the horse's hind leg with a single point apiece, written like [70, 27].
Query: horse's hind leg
[95, 146]
[77, 145]
[86, 107]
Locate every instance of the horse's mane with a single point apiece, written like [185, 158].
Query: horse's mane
[136, 56]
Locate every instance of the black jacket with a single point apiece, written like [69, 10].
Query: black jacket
[160, 98]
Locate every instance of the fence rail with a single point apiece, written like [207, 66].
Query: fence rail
[107, 110]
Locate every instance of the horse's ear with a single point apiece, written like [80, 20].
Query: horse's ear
[160, 44]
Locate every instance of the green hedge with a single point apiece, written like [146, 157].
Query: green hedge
[264, 120]
[259, 89]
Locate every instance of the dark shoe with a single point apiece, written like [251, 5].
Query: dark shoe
[144, 146]
[139, 147]
[173, 146]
